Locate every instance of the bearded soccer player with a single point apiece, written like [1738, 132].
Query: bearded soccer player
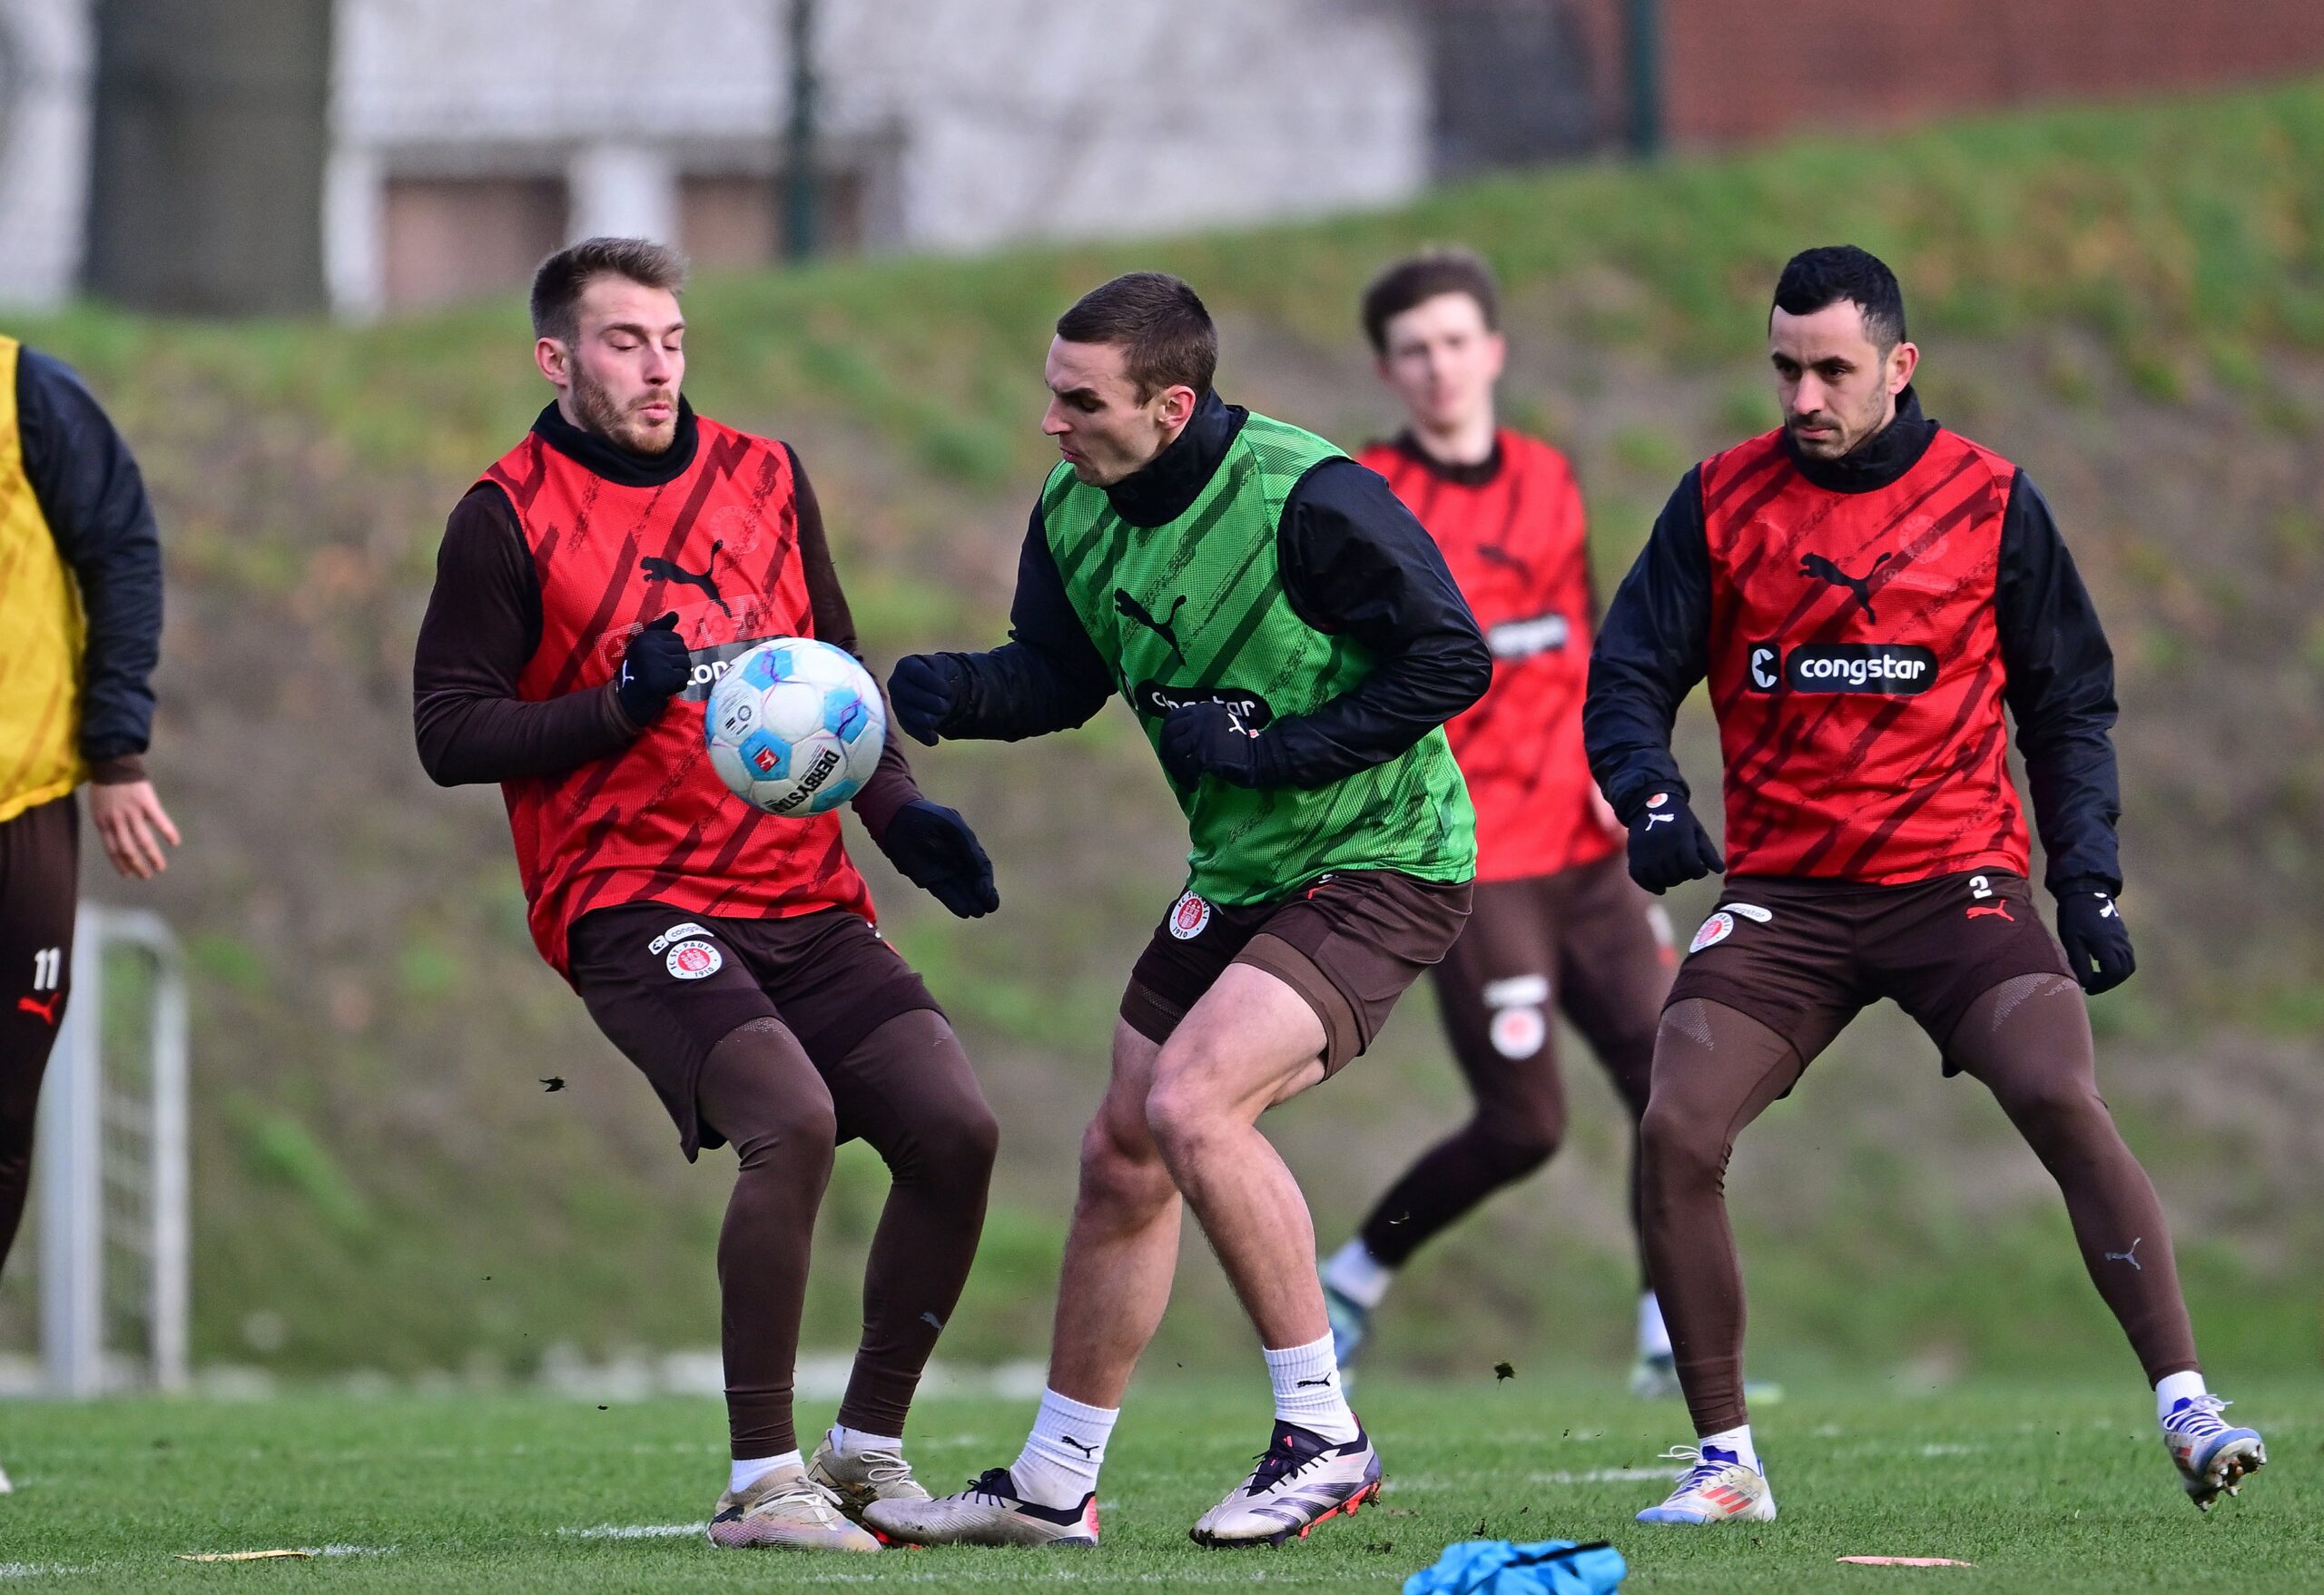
[80, 631]
[1557, 924]
[1291, 644]
[590, 589]
[1865, 591]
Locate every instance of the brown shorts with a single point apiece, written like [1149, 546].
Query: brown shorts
[1588, 940]
[666, 987]
[40, 875]
[1349, 944]
[1804, 957]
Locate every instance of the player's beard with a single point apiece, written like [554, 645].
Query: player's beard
[1851, 430]
[607, 417]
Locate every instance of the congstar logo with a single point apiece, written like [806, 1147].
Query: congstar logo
[1901, 670]
[1523, 639]
[706, 665]
[1154, 701]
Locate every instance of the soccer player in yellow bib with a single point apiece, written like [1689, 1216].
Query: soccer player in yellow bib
[80, 628]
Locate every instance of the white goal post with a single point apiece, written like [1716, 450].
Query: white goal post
[112, 1164]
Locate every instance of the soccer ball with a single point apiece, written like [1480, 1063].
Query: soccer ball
[794, 727]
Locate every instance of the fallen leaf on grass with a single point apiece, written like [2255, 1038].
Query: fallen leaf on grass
[245, 1555]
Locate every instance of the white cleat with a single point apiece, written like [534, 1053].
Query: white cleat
[989, 1511]
[5, 1488]
[785, 1510]
[1718, 1488]
[859, 1478]
[1302, 1480]
[2214, 1459]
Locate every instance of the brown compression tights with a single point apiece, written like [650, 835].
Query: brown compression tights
[2028, 1039]
[907, 1090]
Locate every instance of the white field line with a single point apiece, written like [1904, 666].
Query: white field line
[1600, 1476]
[953, 1578]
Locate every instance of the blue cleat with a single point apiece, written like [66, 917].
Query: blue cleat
[1351, 1323]
[2212, 1459]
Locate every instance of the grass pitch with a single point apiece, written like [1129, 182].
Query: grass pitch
[2042, 1487]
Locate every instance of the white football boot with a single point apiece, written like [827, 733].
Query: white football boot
[2214, 1459]
[785, 1510]
[1655, 1377]
[859, 1478]
[989, 1511]
[1302, 1480]
[1720, 1488]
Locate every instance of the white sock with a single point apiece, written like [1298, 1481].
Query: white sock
[1308, 1390]
[1737, 1441]
[745, 1474]
[1357, 1274]
[855, 1442]
[1653, 1335]
[2173, 1388]
[1059, 1465]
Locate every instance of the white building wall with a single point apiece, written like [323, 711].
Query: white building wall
[46, 57]
[1046, 118]
[979, 120]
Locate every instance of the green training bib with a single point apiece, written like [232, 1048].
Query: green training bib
[1193, 611]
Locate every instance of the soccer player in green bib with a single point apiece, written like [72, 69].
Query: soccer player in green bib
[1292, 644]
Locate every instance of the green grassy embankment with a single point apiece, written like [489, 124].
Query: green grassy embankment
[2130, 301]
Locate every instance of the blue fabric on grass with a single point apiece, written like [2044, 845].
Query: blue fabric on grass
[1499, 1567]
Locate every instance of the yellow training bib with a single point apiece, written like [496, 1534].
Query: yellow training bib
[42, 634]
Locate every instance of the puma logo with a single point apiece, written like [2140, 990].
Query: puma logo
[2131, 1256]
[1824, 570]
[1085, 1450]
[2108, 911]
[46, 1010]
[1166, 628]
[1654, 820]
[1323, 1383]
[1994, 910]
[670, 570]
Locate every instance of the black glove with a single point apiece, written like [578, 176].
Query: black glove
[933, 847]
[1669, 844]
[925, 689]
[1208, 739]
[2097, 942]
[653, 670]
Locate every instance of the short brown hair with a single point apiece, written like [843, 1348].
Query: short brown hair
[565, 276]
[1425, 276]
[1158, 321]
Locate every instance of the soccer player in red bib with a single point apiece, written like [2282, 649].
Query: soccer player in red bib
[1557, 925]
[1865, 591]
[590, 588]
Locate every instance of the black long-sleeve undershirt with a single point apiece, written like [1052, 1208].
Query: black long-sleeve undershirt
[2059, 675]
[1354, 563]
[93, 497]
